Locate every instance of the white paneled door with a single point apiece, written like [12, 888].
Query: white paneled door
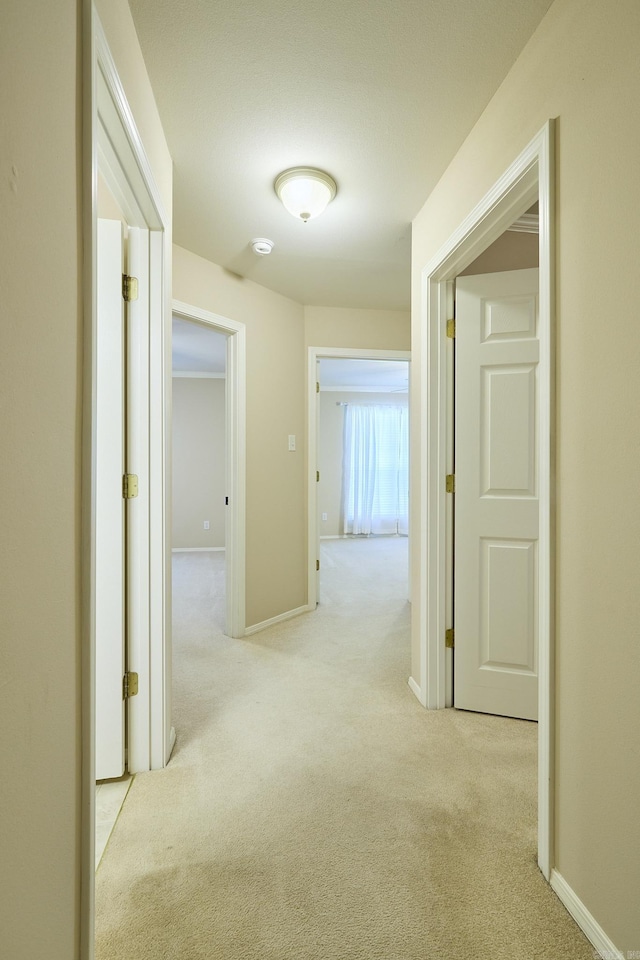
[496, 496]
[110, 519]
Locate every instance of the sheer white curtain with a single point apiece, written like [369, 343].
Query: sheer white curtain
[375, 494]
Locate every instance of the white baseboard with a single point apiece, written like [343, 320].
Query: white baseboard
[415, 689]
[587, 923]
[334, 536]
[281, 616]
[172, 742]
[196, 549]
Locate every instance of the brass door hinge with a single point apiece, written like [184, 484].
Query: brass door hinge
[129, 486]
[129, 685]
[449, 639]
[129, 288]
[317, 386]
[317, 564]
[451, 329]
[451, 483]
[317, 476]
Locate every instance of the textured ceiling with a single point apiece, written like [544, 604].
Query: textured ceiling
[380, 94]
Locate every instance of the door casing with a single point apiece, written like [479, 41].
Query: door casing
[113, 146]
[528, 179]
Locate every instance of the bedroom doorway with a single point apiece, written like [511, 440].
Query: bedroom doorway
[358, 454]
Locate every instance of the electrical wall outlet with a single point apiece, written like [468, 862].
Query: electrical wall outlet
[324, 516]
[292, 441]
[206, 524]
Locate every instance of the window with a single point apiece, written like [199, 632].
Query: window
[375, 471]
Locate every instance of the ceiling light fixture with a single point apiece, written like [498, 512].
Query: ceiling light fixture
[305, 191]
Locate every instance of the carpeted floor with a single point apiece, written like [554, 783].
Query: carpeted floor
[313, 810]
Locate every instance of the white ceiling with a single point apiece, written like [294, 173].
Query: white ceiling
[380, 94]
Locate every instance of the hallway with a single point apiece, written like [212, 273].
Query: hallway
[313, 810]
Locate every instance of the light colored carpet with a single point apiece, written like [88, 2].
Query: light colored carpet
[313, 810]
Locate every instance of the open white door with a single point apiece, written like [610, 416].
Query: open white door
[497, 494]
[110, 588]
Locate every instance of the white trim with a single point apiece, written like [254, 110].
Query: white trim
[197, 549]
[160, 650]
[235, 434]
[527, 223]
[119, 154]
[138, 509]
[198, 375]
[172, 741]
[527, 179]
[585, 920]
[187, 311]
[289, 615]
[413, 686]
[315, 354]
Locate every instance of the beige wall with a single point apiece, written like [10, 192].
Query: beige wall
[582, 67]
[330, 437]
[358, 329]
[276, 522]
[40, 387]
[511, 251]
[198, 424]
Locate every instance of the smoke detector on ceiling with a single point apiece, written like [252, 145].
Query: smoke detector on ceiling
[261, 246]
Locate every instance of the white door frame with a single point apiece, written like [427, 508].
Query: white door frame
[528, 179]
[315, 354]
[113, 146]
[235, 453]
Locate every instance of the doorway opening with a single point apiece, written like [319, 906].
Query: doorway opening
[209, 403]
[528, 181]
[358, 462]
[113, 514]
[199, 470]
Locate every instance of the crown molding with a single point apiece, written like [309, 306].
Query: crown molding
[527, 223]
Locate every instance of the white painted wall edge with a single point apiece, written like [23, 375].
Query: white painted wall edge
[197, 549]
[288, 615]
[585, 920]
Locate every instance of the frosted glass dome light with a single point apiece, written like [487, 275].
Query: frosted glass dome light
[305, 191]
